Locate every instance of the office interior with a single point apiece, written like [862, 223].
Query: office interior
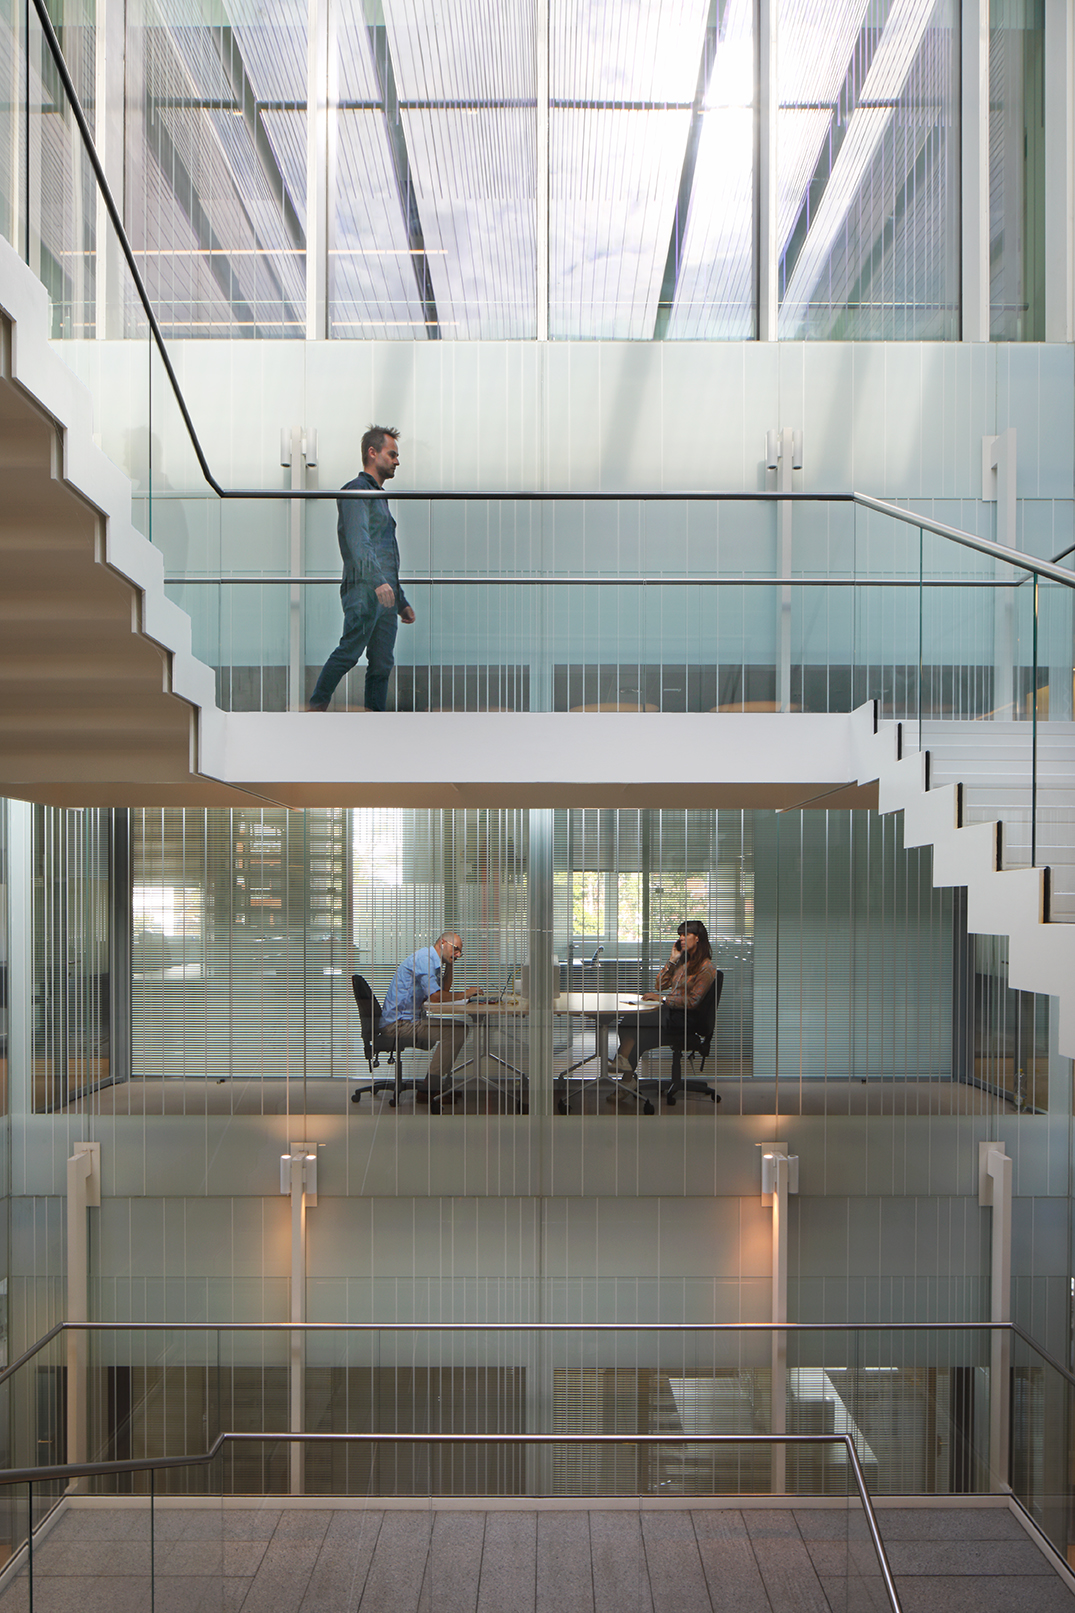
[538, 250]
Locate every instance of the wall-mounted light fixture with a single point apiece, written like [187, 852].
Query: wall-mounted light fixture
[308, 1162]
[772, 1154]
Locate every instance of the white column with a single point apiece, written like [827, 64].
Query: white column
[999, 484]
[542, 986]
[768, 246]
[1059, 171]
[83, 1193]
[995, 1189]
[298, 450]
[109, 135]
[298, 1178]
[20, 955]
[974, 132]
[542, 170]
[784, 455]
[779, 1177]
[320, 114]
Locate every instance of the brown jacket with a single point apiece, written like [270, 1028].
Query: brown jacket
[683, 988]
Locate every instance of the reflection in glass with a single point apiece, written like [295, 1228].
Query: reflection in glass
[868, 170]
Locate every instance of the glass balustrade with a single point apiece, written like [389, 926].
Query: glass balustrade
[413, 1412]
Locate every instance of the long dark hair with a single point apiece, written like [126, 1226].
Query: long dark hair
[703, 951]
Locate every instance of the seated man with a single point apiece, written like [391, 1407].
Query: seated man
[426, 977]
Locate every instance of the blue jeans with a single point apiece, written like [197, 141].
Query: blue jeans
[367, 625]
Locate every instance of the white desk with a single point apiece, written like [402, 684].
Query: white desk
[604, 1008]
[480, 1017]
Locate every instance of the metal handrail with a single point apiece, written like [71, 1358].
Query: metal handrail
[500, 579]
[998, 551]
[534, 1327]
[78, 1470]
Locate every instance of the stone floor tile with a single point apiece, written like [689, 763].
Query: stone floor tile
[90, 1558]
[618, 1558]
[453, 1568]
[395, 1576]
[676, 1576]
[232, 1558]
[564, 1563]
[941, 1593]
[339, 1575]
[728, 1561]
[303, 1525]
[949, 1523]
[508, 1581]
[833, 1523]
[280, 1582]
[788, 1575]
[200, 1595]
[967, 1557]
[856, 1595]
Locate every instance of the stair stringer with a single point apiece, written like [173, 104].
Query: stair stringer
[1008, 902]
[61, 400]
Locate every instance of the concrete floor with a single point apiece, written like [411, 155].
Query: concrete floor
[755, 1095]
[264, 1559]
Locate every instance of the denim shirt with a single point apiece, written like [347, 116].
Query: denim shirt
[366, 530]
[413, 983]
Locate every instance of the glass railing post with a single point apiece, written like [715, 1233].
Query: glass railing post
[921, 613]
[1034, 733]
[153, 1539]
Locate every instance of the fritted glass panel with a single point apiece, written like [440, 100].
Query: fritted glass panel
[650, 170]
[868, 169]
[216, 168]
[708, 287]
[72, 993]
[1017, 170]
[433, 209]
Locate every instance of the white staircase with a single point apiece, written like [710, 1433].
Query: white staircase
[1001, 900]
[993, 762]
[100, 694]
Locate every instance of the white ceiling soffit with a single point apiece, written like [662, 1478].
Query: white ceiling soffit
[893, 59]
[715, 286]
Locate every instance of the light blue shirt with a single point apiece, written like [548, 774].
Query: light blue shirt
[413, 983]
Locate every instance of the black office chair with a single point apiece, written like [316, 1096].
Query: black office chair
[374, 1043]
[693, 1035]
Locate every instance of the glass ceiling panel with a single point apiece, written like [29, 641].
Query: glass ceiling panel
[372, 287]
[287, 132]
[869, 201]
[474, 182]
[475, 51]
[209, 205]
[433, 155]
[272, 36]
[714, 286]
[468, 125]
[623, 80]
[625, 50]
[613, 183]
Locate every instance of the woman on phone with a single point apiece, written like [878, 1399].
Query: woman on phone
[681, 985]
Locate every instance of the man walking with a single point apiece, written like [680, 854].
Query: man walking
[373, 599]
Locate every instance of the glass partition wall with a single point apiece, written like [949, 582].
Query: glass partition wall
[193, 961]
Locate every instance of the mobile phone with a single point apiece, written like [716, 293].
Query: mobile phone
[679, 944]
